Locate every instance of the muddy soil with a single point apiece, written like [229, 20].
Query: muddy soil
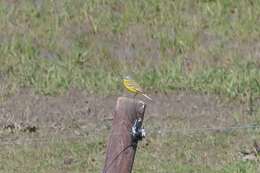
[79, 113]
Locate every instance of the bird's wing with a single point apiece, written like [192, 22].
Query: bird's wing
[136, 86]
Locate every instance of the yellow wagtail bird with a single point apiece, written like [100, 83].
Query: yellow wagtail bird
[134, 87]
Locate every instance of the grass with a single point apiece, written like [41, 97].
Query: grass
[54, 156]
[207, 46]
[199, 152]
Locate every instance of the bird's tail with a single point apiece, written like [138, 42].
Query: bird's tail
[147, 96]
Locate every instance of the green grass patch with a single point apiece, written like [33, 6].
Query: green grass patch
[205, 46]
[200, 152]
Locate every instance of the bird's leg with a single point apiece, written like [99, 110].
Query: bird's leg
[135, 96]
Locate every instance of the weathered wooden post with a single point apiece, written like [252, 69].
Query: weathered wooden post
[126, 131]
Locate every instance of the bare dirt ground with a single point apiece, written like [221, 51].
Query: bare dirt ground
[78, 113]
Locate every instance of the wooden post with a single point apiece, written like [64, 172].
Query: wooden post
[121, 148]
